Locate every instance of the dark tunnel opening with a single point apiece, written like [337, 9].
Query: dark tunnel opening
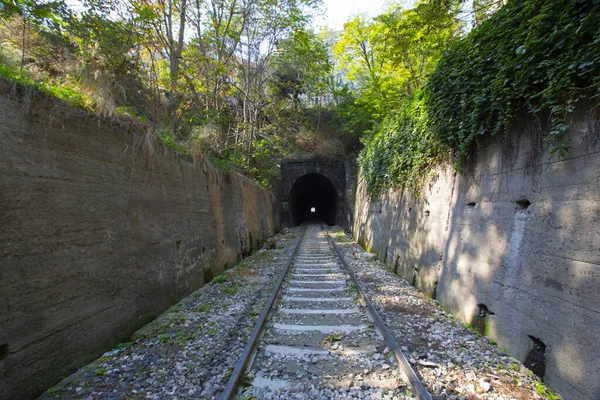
[312, 191]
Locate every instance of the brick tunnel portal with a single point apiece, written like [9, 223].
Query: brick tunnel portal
[313, 195]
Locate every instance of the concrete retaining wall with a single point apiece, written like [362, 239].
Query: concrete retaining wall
[100, 232]
[517, 231]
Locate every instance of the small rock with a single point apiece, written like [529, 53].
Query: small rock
[485, 386]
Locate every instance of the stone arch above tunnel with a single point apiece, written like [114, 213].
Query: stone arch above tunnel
[337, 173]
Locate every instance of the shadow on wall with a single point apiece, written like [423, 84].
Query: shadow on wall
[406, 232]
[513, 243]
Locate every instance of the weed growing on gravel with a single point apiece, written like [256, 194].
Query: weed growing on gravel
[190, 366]
[204, 308]
[330, 339]
[222, 278]
[163, 338]
[338, 234]
[212, 330]
[124, 346]
[246, 382]
[100, 371]
[547, 393]
[183, 338]
[231, 290]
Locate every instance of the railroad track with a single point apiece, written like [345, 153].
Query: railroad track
[319, 336]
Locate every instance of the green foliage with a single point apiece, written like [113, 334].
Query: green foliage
[546, 392]
[100, 371]
[540, 55]
[330, 339]
[231, 290]
[67, 94]
[402, 150]
[301, 65]
[35, 11]
[168, 141]
[124, 346]
[390, 57]
[224, 277]
[201, 77]
[164, 338]
[389, 60]
[132, 112]
[359, 53]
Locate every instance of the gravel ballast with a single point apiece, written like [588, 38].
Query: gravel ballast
[190, 351]
[453, 361]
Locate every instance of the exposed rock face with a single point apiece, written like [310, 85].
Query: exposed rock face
[518, 231]
[101, 231]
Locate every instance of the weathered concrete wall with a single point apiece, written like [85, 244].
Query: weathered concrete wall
[99, 233]
[471, 239]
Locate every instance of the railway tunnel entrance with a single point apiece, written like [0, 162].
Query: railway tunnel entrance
[313, 195]
[314, 183]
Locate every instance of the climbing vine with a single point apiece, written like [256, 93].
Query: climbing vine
[403, 149]
[539, 56]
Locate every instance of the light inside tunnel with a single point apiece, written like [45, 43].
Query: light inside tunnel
[312, 195]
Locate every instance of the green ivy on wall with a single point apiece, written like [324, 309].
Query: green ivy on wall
[403, 149]
[538, 56]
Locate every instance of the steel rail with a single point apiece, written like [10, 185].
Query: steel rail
[234, 380]
[406, 369]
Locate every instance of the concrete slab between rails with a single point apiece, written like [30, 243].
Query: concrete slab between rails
[296, 281]
[295, 289]
[333, 270]
[304, 351]
[320, 328]
[316, 265]
[330, 256]
[318, 299]
[312, 311]
[319, 275]
[273, 384]
[293, 351]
